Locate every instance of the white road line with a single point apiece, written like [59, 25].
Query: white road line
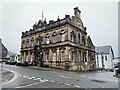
[42, 80]
[52, 81]
[60, 82]
[28, 85]
[82, 76]
[67, 84]
[61, 76]
[35, 79]
[89, 77]
[46, 80]
[30, 78]
[15, 76]
[38, 78]
[77, 86]
[23, 75]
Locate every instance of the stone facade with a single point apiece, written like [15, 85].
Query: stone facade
[62, 44]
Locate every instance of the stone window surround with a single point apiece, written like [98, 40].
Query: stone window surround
[54, 35]
[73, 36]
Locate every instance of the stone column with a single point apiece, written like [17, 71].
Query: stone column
[50, 57]
[44, 59]
[44, 54]
[87, 59]
[58, 54]
[29, 56]
[21, 56]
[24, 56]
[77, 59]
[67, 54]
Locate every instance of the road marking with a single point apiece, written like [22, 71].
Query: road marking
[89, 77]
[52, 81]
[30, 78]
[82, 76]
[14, 78]
[41, 80]
[38, 78]
[28, 85]
[33, 77]
[67, 84]
[46, 80]
[60, 82]
[77, 86]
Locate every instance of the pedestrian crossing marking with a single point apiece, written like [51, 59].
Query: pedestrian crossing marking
[77, 86]
[52, 81]
[45, 80]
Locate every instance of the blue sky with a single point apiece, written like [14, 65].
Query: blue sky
[100, 18]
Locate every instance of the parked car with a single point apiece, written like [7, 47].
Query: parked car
[18, 63]
[7, 62]
[116, 68]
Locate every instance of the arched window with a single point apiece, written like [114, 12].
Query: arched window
[27, 42]
[62, 35]
[78, 37]
[62, 55]
[47, 39]
[32, 41]
[73, 36]
[54, 37]
[54, 56]
[79, 57]
[83, 40]
[47, 55]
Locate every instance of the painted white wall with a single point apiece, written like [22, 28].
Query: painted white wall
[108, 63]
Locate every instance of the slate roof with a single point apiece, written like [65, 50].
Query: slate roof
[104, 49]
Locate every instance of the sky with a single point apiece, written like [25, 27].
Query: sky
[100, 18]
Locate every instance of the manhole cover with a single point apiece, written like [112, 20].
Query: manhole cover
[98, 81]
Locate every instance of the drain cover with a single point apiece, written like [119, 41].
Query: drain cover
[98, 81]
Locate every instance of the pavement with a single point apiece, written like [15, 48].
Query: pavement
[7, 75]
[66, 71]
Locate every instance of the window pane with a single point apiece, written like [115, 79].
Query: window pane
[47, 56]
[54, 56]
[62, 56]
[63, 37]
[48, 41]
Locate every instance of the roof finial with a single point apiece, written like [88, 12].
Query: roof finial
[42, 15]
[58, 18]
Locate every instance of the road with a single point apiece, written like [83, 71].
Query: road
[26, 77]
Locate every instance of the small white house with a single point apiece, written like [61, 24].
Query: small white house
[104, 57]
